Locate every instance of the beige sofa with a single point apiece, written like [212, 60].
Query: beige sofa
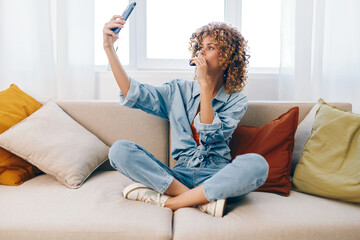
[42, 208]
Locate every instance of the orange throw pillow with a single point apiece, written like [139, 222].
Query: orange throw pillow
[275, 142]
[15, 105]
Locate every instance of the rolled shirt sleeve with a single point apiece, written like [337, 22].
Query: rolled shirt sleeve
[151, 99]
[132, 94]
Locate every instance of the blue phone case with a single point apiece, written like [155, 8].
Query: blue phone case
[125, 15]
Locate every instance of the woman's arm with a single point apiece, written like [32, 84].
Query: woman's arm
[206, 109]
[215, 129]
[151, 99]
[224, 123]
[110, 37]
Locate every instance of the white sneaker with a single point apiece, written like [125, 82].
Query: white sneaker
[140, 192]
[215, 208]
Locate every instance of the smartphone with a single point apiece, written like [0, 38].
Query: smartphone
[125, 15]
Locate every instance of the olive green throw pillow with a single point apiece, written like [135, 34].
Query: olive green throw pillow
[330, 162]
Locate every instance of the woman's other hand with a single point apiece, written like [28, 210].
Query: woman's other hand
[201, 69]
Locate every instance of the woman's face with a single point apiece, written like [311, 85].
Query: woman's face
[210, 52]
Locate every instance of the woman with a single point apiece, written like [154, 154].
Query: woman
[203, 115]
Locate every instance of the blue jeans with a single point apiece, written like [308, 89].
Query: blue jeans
[221, 178]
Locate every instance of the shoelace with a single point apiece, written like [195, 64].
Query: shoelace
[207, 208]
[150, 197]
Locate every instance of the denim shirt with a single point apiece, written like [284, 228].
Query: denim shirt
[178, 101]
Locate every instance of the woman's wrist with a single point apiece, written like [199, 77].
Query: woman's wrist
[203, 82]
[203, 85]
[108, 47]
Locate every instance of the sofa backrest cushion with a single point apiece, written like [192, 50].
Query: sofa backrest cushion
[261, 112]
[110, 122]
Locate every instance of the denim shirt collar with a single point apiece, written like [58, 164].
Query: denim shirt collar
[221, 96]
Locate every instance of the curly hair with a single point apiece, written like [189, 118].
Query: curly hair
[233, 57]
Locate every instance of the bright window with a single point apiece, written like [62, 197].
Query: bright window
[171, 23]
[162, 30]
[261, 27]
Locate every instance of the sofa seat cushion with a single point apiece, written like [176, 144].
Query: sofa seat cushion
[43, 208]
[262, 215]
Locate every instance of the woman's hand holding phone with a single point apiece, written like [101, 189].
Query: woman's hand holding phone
[201, 69]
[109, 35]
[113, 27]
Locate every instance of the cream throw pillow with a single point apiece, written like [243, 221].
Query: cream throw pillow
[330, 162]
[56, 144]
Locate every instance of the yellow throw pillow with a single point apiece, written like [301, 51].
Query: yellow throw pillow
[15, 105]
[330, 162]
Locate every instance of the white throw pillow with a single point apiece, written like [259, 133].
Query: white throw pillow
[302, 134]
[56, 144]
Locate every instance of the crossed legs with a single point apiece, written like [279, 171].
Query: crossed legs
[138, 164]
[245, 174]
[183, 196]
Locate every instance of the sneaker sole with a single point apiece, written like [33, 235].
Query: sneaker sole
[132, 187]
[220, 206]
